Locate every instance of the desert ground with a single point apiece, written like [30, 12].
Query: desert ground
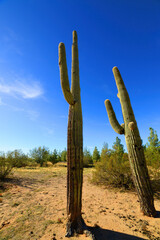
[33, 207]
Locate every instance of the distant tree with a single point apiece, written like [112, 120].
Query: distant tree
[152, 149]
[87, 158]
[40, 155]
[55, 156]
[118, 146]
[64, 155]
[59, 156]
[118, 150]
[153, 139]
[105, 152]
[96, 155]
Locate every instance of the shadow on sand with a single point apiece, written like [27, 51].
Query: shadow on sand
[22, 182]
[157, 214]
[103, 234]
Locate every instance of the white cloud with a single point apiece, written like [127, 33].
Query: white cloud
[32, 114]
[12, 42]
[19, 87]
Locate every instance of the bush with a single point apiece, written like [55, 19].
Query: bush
[18, 158]
[152, 156]
[114, 171]
[5, 167]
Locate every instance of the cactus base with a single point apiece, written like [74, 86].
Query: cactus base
[148, 211]
[78, 227]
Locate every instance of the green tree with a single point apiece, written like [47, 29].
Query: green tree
[55, 156]
[40, 155]
[105, 152]
[118, 146]
[153, 139]
[87, 158]
[64, 155]
[96, 155]
[152, 149]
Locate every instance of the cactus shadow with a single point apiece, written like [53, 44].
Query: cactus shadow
[101, 234]
[157, 214]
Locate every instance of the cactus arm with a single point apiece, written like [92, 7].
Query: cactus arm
[127, 110]
[64, 75]
[112, 118]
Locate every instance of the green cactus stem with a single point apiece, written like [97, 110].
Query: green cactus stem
[134, 145]
[75, 222]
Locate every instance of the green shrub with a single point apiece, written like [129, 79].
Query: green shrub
[152, 156]
[5, 167]
[113, 170]
[18, 158]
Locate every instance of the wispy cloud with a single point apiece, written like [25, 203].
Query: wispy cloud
[31, 114]
[50, 131]
[20, 88]
[11, 41]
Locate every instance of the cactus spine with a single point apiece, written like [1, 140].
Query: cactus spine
[134, 145]
[74, 139]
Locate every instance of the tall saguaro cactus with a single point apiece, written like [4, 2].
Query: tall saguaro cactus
[134, 145]
[74, 139]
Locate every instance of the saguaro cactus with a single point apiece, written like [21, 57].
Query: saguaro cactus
[134, 145]
[74, 140]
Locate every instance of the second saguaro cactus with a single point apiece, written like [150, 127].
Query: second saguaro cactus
[134, 145]
[74, 139]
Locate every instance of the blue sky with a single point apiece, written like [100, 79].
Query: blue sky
[110, 33]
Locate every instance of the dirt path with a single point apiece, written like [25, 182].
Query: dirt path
[34, 207]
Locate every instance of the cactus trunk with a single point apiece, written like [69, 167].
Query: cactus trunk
[75, 222]
[74, 169]
[75, 149]
[140, 174]
[134, 145]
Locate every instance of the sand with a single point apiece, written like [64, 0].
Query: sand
[34, 207]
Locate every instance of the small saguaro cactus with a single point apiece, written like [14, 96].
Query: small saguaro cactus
[134, 145]
[75, 222]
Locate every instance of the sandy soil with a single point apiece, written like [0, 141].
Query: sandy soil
[34, 207]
